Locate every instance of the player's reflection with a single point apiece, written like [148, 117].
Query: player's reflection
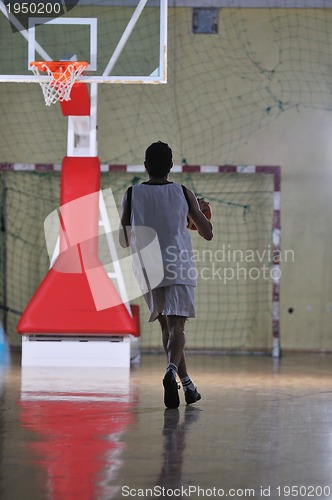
[77, 438]
[175, 434]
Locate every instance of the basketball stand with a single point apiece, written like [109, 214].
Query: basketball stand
[107, 341]
[77, 317]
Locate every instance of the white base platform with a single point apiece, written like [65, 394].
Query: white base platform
[79, 351]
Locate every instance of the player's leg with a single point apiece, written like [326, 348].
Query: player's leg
[176, 354]
[182, 368]
[174, 301]
[176, 298]
[172, 343]
[173, 335]
[174, 349]
[164, 331]
[176, 339]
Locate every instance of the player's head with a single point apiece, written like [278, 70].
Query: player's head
[158, 159]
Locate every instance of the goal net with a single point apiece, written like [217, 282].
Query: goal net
[234, 270]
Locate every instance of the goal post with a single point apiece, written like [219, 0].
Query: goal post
[238, 272]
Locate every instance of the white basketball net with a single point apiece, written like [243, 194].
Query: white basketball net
[59, 87]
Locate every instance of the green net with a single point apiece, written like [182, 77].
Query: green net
[222, 88]
[28, 198]
[233, 296]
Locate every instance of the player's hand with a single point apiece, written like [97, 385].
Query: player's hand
[203, 205]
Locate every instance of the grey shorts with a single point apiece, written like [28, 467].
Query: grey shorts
[173, 300]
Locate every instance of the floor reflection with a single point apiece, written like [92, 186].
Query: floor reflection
[84, 434]
[174, 445]
[77, 418]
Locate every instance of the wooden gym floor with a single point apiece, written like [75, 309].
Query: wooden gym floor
[263, 429]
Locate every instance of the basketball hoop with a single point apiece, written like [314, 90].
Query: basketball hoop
[63, 76]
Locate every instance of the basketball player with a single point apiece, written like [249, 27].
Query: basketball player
[164, 206]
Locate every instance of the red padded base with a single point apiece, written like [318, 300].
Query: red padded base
[64, 304]
[77, 296]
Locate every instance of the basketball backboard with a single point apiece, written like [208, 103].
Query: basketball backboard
[123, 41]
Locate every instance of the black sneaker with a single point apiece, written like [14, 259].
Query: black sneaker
[192, 396]
[171, 391]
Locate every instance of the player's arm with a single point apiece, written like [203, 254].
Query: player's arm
[124, 230]
[204, 226]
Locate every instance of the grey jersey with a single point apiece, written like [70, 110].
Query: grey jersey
[164, 209]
